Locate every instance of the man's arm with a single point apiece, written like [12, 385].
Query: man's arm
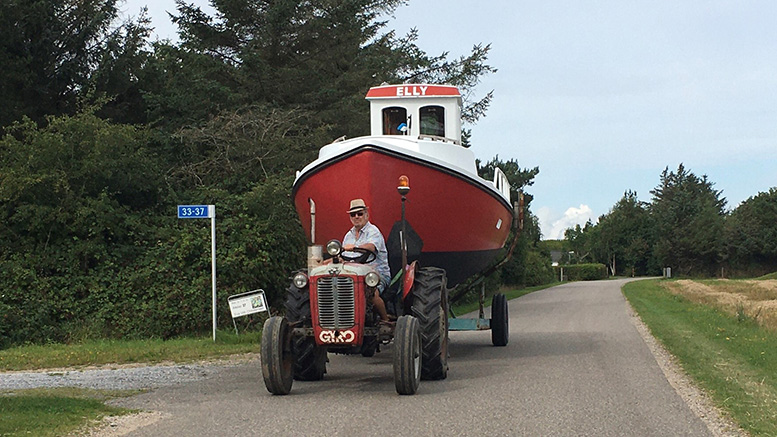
[369, 246]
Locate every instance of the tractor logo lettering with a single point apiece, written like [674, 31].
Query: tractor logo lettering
[337, 336]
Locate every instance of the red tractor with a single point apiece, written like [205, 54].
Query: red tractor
[329, 309]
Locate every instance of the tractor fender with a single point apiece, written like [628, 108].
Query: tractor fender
[409, 278]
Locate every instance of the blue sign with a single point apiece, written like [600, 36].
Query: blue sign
[194, 211]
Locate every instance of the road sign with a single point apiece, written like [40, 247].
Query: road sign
[196, 211]
[205, 211]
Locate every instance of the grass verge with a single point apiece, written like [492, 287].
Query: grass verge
[103, 352]
[54, 412]
[733, 359]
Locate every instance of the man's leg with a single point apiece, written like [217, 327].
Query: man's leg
[380, 306]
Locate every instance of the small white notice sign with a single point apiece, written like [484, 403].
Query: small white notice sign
[247, 303]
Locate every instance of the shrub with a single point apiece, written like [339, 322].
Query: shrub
[583, 272]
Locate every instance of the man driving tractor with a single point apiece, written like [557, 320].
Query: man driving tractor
[367, 236]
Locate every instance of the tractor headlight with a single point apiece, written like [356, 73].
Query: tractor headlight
[300, 280]
[333, 247]
[372, 279]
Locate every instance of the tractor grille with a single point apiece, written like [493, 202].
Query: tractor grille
[336, 309]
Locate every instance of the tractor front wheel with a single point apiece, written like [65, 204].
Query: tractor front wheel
[276, 355]
[407, 355]
[309, 359]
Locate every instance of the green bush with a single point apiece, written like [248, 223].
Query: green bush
[538, 269]
[582, 272]
[92, 250]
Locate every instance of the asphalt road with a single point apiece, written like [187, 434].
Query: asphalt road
[575, 366]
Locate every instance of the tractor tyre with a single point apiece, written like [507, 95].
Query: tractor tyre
[407, 355]
[500, 328]
[309, 359]
[277, 360]
[430, 307]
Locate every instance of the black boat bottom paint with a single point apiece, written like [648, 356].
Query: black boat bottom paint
[459, 265]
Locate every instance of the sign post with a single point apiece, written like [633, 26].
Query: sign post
[205, 211]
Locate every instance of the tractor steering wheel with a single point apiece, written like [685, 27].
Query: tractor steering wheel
[365, 256]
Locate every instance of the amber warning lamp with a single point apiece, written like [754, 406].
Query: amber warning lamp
[404, 185]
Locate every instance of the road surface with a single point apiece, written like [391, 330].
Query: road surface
[575, 366]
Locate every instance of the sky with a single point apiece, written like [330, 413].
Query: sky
[602, 96]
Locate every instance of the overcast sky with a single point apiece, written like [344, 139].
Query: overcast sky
[603, 95]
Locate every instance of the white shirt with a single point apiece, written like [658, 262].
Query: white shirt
[371, 234]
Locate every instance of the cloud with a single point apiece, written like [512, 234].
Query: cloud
[553, 227]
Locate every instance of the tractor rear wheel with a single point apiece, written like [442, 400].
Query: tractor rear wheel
[277, 360]
[309, 359]
[430, 307]
[407, 355]
[500, 328]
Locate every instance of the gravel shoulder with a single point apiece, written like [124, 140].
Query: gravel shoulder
[121, 377]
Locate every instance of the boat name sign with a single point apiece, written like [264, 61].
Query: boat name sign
[412, 91]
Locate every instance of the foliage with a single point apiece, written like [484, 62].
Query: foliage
[91, 247]
[624, 236]
[751, 234]
[685, 227]
[519, 178]
[528, 265]
[319, 57]
[689, 216]
[56, 54]
[582, 272]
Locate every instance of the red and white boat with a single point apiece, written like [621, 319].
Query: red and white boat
[463, 219]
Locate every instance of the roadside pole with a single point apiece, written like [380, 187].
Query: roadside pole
[205, 211]
[213, 261]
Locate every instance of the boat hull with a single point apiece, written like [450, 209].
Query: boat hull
[463, 223]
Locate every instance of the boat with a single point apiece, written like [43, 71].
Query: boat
[415, 131]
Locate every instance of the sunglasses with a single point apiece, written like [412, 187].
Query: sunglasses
[357, 214]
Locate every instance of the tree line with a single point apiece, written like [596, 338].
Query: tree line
[105, 131]
[686, 227]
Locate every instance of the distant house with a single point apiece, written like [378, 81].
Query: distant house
[555, 257]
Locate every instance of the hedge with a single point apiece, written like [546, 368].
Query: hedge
[582, 272]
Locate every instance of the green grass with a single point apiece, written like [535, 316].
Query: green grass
[54, 412]
[100, 352]
[769, 276]
[734, 360]
[468, 307]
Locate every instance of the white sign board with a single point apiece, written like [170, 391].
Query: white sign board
[247, 303]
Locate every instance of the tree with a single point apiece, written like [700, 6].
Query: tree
[527, 265]
[517, 177]
[319, 56]
[751, 234]
[623, 236]
[689, 217]
[51, 50]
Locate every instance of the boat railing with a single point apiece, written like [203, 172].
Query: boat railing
[501, 183]
[439, 138]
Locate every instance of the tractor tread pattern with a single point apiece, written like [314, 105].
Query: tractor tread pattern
[429, 296]
[309, 360]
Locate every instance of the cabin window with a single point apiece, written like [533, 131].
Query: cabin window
[393, 118]
[433, 121]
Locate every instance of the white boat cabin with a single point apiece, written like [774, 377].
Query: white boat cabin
[422, 111]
